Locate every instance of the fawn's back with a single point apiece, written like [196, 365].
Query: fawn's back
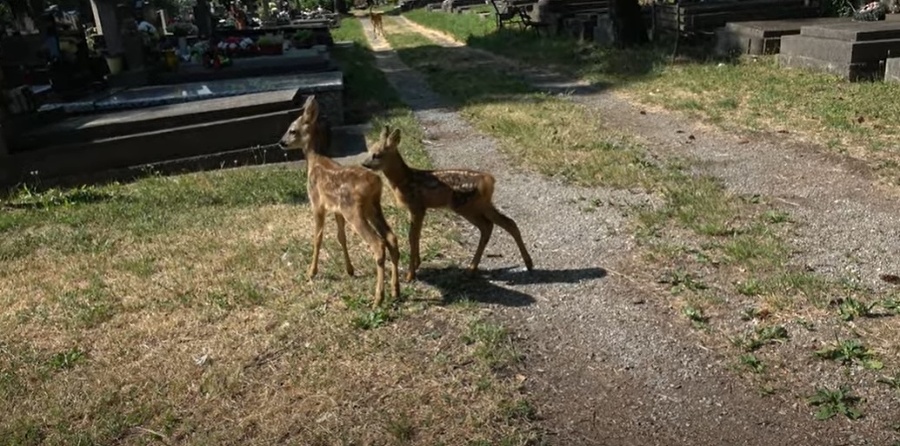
[452, 189]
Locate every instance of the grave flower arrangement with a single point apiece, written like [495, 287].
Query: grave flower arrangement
[271, 44]
[215, 59]
[303, 38]
[238, 46]
[184, 29]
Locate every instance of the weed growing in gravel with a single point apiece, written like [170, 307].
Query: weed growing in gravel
[696, 316]
[749, 314]
[761, 336]
[753, 363]
[850, 351]
[891, 304]
[680, 281]
[851, 308]
[892, 381]
[835, 402]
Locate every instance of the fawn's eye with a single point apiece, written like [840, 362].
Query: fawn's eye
[376, 156]
[293, 131]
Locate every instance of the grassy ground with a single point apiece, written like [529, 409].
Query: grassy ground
[749, 94]
[725, 260]
[175, 310]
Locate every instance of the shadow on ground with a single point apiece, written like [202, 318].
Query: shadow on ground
[601, 66]
[458, 284]
[465, 77]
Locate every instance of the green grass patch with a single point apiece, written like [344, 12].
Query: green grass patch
[168, 309]
[749, 93]
[535, 128]
[742, 236]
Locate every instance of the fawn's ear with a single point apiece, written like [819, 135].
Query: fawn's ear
[385, 132]
[394, 139]
[310, 109]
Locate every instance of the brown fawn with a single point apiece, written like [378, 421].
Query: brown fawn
[469, 193]
[351, 193]
[377, 23]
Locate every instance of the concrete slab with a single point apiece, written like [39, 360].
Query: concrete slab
[839, 51]
[892, 70]
[182, 142]
[777, 28]
[854, 31]
[852, 50]
[90, 127]
[764, 36]
[848, 71]
[291, 62]
[158, 95]
[348, 147]
[195, 91]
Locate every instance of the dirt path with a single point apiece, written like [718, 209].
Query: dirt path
[850, 226]
[606, 364]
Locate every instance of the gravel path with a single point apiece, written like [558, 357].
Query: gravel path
[850, 227]
[606, 363]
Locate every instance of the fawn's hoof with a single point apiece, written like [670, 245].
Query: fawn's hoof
[350, 272]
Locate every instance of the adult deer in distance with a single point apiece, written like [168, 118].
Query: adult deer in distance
[351, 193]
[377, 21]
[469, 193]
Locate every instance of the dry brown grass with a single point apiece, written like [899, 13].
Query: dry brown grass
[208, 333]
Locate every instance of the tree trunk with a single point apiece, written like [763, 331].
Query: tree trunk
[629, 20]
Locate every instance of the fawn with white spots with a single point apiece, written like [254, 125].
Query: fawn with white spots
[469, 193]
[351, 193]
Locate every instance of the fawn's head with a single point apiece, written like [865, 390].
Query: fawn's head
[300, 134]
[385, 151]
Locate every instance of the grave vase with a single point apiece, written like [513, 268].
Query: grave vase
[182, 45]
[115, 64]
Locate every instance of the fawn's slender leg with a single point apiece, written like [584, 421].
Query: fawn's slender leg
[319, 218]
[486, 227]
[415, 237]
[342, 238]
[377, 245]
[390, 240]
[510, 226]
